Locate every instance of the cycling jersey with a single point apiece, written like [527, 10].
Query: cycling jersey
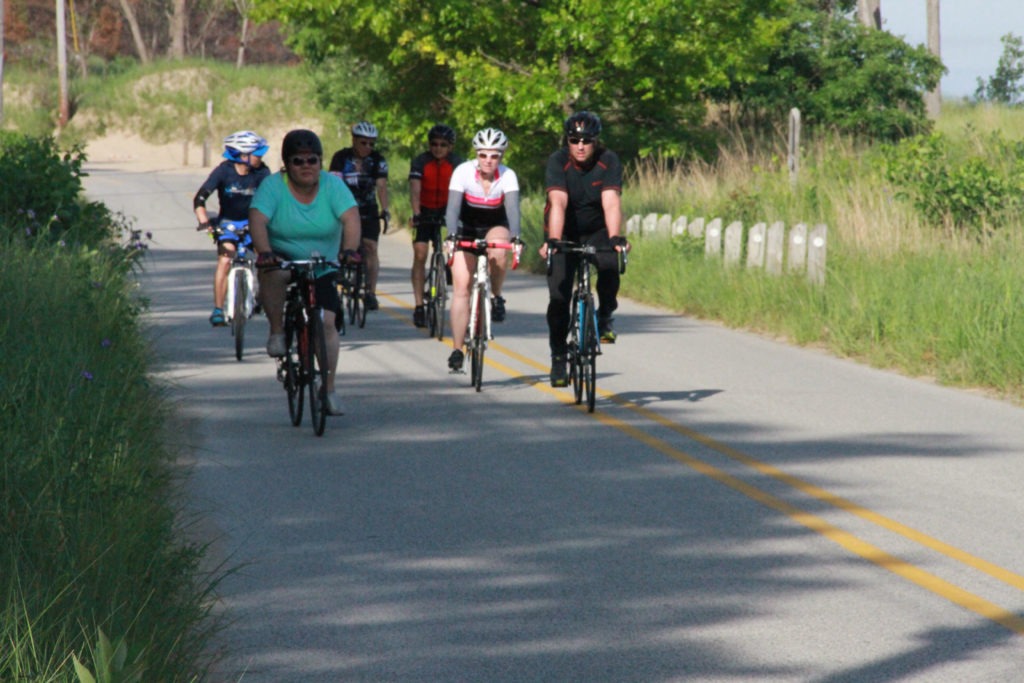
[361, 181]
[234, 191]
[584, 214]
[434, 174]
[477, 209]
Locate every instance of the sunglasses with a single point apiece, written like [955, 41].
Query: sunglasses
[303, 161]
[581, 141]
[439, 143]
[366, 142]
[484, 155]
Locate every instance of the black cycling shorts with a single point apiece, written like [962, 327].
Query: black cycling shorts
[430, 225]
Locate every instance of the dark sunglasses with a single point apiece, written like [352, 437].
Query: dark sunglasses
[581, 141]
[440, 143]
[367, 141]
[303, 161]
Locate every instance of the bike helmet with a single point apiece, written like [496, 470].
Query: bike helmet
[583, 123]
[263, 148]
[364, 129]
[441, 131]
[300, 139]
[490, 138]
[241, 142]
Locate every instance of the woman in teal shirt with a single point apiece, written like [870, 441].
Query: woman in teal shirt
[296, 212]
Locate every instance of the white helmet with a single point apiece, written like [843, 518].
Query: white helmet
[364, 129]
[242, 142]
[490, 138]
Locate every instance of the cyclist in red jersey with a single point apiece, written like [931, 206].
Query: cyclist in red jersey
[429, 174]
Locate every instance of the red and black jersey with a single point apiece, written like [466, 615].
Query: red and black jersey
[584, 214]
[434, 174]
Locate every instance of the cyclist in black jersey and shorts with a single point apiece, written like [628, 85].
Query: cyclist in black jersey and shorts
[429, 174]
[583, 181]
[365, 171]
[235, 181]
[483, 195]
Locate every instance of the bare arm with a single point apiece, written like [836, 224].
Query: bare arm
[352, 230]
[258, 231]
[611, 202]
[382, 193]
[415, 188]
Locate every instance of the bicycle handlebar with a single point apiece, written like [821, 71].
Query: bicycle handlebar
[587, 250]
[481, 244]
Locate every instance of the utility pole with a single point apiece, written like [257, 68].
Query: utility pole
[62, 66]
[1, 63]
[869, 13]
[933, 100]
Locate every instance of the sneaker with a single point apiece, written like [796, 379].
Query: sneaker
[419, 316]
[604, 328]
[275, 345]
[371, 302]
[559, 372]
[217, 318]
[498, 309]
[455, 360]
[334, 404]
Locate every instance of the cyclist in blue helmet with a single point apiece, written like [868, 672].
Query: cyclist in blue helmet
[235, 181]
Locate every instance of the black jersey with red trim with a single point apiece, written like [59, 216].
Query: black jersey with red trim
[584, 214]
[434, 175]
[360, 178]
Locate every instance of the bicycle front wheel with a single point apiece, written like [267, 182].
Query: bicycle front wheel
[589, 355]
[438, 298]
[293, 369]
[576, 313]
[318, 369]
[238, 313]
[479, 343]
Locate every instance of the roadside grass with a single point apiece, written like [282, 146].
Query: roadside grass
[89, 509]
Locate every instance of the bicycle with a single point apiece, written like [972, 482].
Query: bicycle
[243, 286]
[435, 291]
[584, 341]
[479, 331]
[353, 298]
[305, 363]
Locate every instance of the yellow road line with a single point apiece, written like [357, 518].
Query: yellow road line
[849, 541]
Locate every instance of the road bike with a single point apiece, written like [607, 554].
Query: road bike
[435, 291]
[243, 286]
[353, 295]
[584, 340]
[305, 364]
[479, 330]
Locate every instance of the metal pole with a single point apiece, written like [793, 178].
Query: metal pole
[62, 65]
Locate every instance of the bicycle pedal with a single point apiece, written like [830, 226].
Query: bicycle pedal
[460, 371]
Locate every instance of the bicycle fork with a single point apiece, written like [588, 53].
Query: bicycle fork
[251, 285]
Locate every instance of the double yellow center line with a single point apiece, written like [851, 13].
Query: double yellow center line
[853, 544]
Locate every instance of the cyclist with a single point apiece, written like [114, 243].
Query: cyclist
[234, 180]
[484, 194]
[584, 183]
[366, 172]
[298, 211]
[429, 174]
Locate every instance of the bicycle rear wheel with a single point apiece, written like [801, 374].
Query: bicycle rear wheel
[576, 313]
[317, 377]
[238, 315]
[438, 298]
[292, 368]
[589, 355]
[339, 320]
[356, 303]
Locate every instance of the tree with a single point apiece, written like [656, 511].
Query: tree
[1005, 86]
[244, 8]
[140, 45]
[179, 20]
[643, 65]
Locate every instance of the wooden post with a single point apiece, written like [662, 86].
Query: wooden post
[696, 228]
[797, 248]
[793, 158]
[679, 226]
[816, 248]
[713, 238]
[933, 100]
[773, 249]
[733, 243]
[755, 246]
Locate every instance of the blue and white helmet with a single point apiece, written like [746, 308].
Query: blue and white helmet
[365, 129]
[243, 142]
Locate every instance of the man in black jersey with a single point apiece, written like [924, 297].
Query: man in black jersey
[583, 181]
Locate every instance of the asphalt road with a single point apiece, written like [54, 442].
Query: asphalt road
[736, 509]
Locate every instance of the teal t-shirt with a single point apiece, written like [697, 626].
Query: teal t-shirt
[295, 229]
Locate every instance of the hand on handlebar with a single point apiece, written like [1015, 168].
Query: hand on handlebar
[267, 260]
[351, 256]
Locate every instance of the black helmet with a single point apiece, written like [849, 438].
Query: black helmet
[300, 139]
[441, 131]
[583, 123]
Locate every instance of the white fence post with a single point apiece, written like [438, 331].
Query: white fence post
[816, 247]
[756, 246]
[696, 228]
[797, 248]
[633, 225]
[664, 226]
[713, 238]
[733, 243]
[648, 223]
[679, 226]
[773, 248]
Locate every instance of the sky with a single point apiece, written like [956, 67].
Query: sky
[970, 32]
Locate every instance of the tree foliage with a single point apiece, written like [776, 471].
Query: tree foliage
[643, 65]
[1007, 83]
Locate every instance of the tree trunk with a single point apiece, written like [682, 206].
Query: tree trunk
[241, 47]
[140, 46]
[869, 12]
[177, 27]
[1, 62]
[933, 100]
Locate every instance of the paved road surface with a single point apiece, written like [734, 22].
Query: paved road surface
[736, 509]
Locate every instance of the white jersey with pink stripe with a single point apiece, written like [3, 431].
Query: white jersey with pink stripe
[466, 179]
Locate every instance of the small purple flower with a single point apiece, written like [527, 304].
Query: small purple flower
[96, 284]
[105, 343]
[86, 374]
[149, 235]
[28, 232]
[31, 214]
[62, 243]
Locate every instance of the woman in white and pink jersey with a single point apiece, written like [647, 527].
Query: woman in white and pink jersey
[483, 201]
